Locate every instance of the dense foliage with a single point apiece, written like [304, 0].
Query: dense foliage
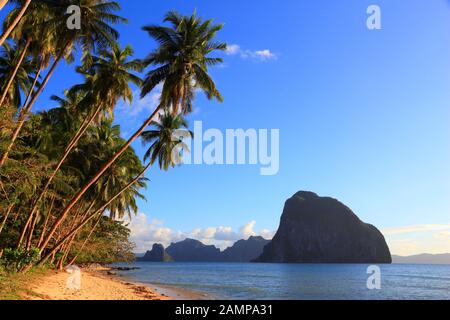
[67, 177]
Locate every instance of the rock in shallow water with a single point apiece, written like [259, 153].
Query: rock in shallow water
[317, 229]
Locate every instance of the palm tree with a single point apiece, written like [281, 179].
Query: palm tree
[15, 75]
[165, 140]
[29, 34]
[96, 33]
[3, 3]
[112, 73]
[18, 16]
[185, 54]
[99, 143]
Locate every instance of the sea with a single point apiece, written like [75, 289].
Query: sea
[255, 281]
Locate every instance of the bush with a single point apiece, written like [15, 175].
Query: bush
[14, 260]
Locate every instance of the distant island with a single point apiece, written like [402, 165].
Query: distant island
[190, 250]
[313, 229]
[424, 258]
[317, 229]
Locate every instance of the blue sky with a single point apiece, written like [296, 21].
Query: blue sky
[363, 117]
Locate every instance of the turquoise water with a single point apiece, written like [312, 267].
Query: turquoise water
[297, 281]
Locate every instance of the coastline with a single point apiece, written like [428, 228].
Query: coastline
[99, 283]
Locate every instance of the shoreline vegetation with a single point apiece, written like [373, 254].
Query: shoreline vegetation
[79, 178]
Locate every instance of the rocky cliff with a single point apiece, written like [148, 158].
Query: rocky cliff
[191, 250]
[157, 254]
[245, 250]
[317, 229]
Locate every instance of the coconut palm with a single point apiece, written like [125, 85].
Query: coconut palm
[165, 139]
[99, 143]
[17, 17]
[108, 80]
[33, 35]
[186, 54]
[3, 3]
[182, 60]
[14, 76]
[97, 33]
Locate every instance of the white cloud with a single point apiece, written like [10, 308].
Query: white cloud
[265, 54]
[138, 106]
[415, 228]
[232, 49]
[145, 233]
[417, 239]
[260, 55]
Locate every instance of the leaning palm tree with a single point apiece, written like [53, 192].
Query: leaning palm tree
[110, 76]
[184, 55]
[3, 3]
[23, 8]
[165, 139]
[97, 33]
[30, 35]
[15, 77]
[99, 143]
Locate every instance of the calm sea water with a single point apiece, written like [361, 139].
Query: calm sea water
[296, 281]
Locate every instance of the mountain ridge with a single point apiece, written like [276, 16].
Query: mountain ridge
[423, 258]
[191, 250]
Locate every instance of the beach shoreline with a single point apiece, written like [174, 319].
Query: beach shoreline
[101, 283]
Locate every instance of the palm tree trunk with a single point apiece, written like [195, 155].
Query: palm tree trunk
[25, 110]
[67, 250]
[72, 261]
[33, 86]
[16, 216]
[30, 234]
[13, 75]
[3, 3]
[24, 231]
[47, 218]
[94, 179]
[99, 211]
[8, 211]
[69, 149]
[8, 30]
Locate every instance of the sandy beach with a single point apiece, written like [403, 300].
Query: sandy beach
[96, 284]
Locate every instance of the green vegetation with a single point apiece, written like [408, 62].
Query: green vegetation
[15, 286]
[67, 177]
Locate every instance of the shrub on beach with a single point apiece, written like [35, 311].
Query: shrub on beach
[13, 260]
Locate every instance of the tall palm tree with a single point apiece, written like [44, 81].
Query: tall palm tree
[29, 33]
[18, 15]
[186, 53]
[33, 35]
[15, 66]
[165, 139]
[112, 74]
[97, 33]
[16, 77]
[3, 3]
